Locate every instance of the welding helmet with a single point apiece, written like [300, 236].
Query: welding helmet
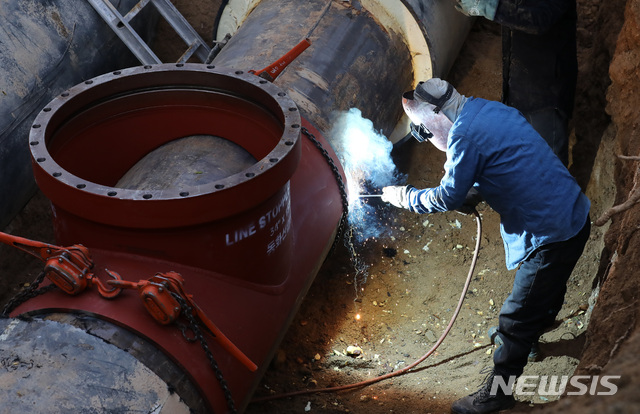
[421, 94]
[428, 121]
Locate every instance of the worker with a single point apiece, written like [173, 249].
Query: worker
[544, 216]
[539, 61]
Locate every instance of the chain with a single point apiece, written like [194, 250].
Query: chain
[184, 328]
[31, 292]
[341, 186]
[197, 335]
[344, 229]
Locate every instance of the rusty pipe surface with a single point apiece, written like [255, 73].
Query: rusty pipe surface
[364, 54]
[346, 66]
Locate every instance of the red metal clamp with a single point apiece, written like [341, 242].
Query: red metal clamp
[66, 267]
[156, 296]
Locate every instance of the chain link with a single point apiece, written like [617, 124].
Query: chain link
[184, 328]
[341, 185]
[31, 292]
[344, 229]
[187, 311]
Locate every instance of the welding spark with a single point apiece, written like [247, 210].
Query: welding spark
[365, 155]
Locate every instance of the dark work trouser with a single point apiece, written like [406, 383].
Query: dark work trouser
[537, 296]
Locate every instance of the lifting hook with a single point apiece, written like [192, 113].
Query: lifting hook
[69, 268]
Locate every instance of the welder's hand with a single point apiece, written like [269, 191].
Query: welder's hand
[485, 8]
[472, 199]
[397, 195]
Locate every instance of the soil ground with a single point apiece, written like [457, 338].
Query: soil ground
[405, 296]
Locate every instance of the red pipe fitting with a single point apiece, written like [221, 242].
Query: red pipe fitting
[247, 242]
[90, 136]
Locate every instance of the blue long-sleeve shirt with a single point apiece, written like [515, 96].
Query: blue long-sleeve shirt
[492, 147]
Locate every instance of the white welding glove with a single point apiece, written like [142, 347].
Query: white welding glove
[485, 8]
[397, 195]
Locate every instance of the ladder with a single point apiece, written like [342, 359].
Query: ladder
[121, 27]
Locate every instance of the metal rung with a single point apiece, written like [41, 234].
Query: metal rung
[121, 27]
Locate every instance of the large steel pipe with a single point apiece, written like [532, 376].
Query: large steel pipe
[364, 53]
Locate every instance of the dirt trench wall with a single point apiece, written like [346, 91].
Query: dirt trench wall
[613, 338]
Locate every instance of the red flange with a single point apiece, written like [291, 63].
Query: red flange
[85, 140]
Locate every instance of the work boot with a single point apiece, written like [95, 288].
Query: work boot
[497, 341]
[482, 402]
